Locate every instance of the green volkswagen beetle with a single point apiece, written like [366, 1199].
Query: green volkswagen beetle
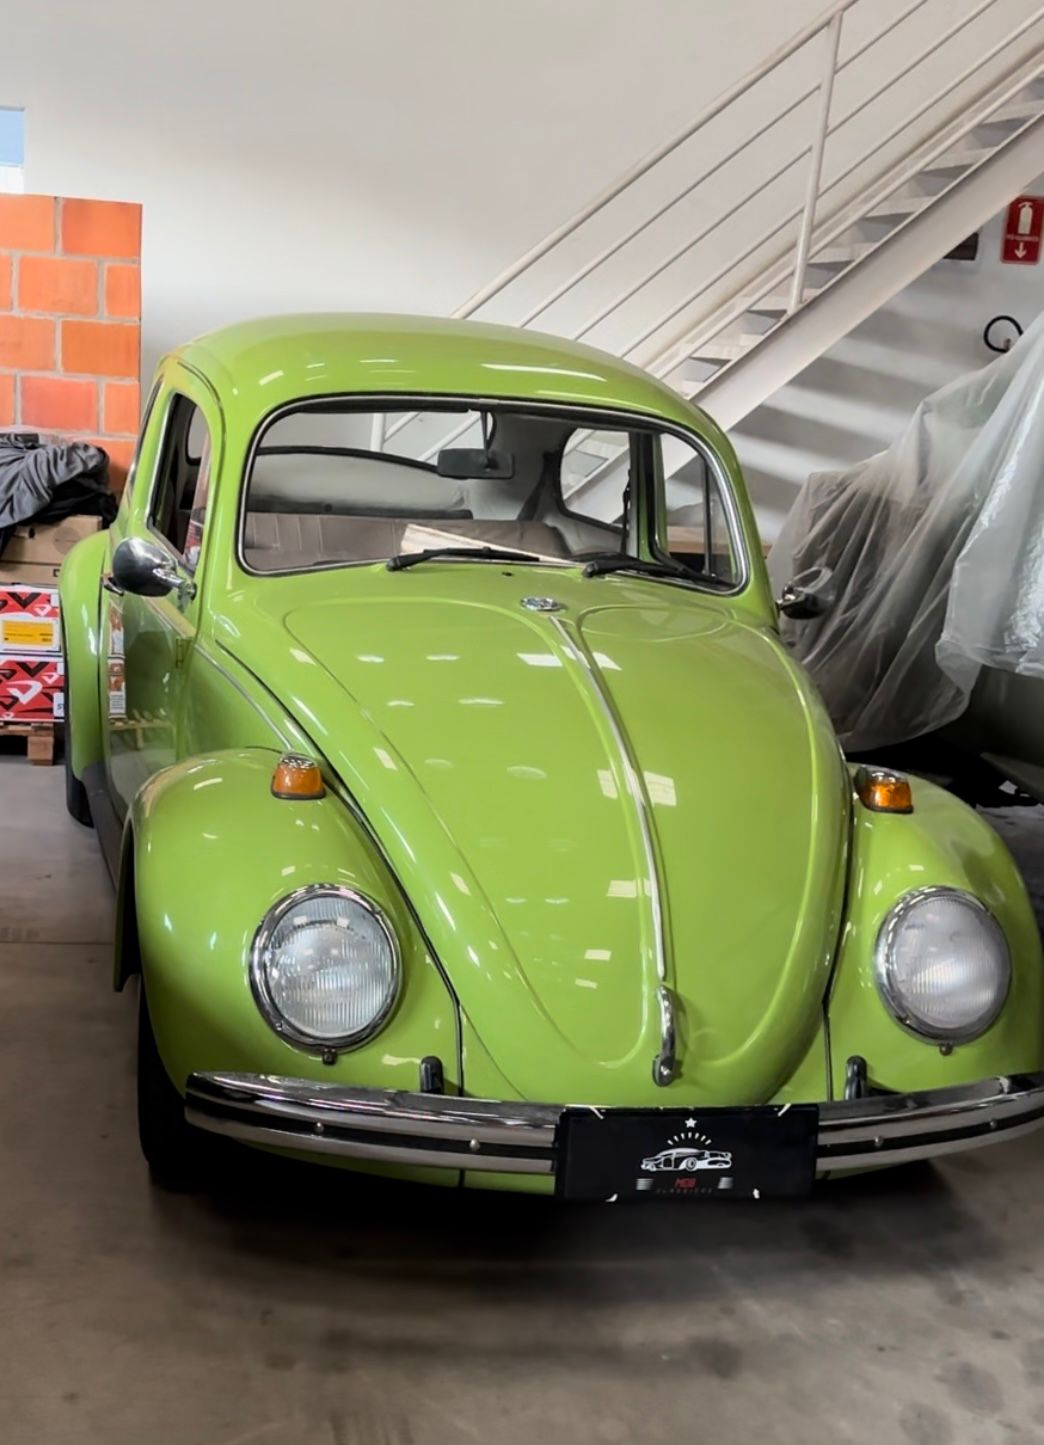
[470, 822]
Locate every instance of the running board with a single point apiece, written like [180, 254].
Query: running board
[106, 821]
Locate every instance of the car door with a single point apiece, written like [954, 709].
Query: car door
[148, 639]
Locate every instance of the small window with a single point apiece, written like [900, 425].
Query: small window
[12, 150]
[699, 533]
[177, 509]
[196, 438]
[143, 431]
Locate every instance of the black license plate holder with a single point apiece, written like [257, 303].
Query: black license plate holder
[747, 1153]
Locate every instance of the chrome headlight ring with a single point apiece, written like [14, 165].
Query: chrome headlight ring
[911, 991]
[266, 988]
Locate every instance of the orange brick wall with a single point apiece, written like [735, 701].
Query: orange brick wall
[70, 320]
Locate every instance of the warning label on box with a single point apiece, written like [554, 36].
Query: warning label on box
[29, 619]
[28, 636]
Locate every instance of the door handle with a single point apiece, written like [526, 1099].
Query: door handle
[111, 585]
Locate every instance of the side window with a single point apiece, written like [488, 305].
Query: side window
[198, 511]
[177, 507]
[698, 531]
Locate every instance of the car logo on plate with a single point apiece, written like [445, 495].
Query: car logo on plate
[685, 1155]
[688, 1159]
[541, 604]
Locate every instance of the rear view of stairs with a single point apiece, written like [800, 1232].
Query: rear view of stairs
[870, 155]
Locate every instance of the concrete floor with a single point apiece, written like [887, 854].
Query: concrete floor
[295, 1305]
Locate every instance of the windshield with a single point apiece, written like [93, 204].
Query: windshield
[331, 485]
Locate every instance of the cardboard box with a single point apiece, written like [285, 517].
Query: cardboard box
[35, 551]
[47, 542]
[31, 689]
[29, 620]
[29, 574]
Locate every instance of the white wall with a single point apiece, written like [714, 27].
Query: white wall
[396, 153]
[856, 398]
[377, 154]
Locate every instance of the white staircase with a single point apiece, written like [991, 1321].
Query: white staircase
[866, 254]
[885, 153]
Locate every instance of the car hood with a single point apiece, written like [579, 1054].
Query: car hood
[634, 789]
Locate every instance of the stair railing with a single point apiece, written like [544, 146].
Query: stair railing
[828, 25]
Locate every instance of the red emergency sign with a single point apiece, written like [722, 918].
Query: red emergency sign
[1022, 231]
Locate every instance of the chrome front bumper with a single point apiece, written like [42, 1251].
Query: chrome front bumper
[483, 1134]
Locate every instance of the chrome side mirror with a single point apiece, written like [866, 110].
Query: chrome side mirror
[809, 597]
[146, 570]
[797, 602]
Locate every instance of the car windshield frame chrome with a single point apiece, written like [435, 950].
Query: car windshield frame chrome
[610, 417]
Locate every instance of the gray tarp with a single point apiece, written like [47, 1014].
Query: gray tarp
[936, 553]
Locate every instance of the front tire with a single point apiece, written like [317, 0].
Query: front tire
[174, 1150]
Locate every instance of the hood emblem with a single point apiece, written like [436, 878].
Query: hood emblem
[542, 604]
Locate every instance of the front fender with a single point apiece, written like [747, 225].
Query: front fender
[79, 590]
[943, 842]
[211, 851]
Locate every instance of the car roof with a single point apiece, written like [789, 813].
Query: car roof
[259, 365]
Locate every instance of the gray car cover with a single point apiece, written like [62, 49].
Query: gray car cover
[934, 556]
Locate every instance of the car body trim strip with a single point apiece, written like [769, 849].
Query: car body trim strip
[664, 1064]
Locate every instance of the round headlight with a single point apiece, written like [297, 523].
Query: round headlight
[325, 967]
[942, 964]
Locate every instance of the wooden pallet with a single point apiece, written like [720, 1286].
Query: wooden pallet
[39, 737]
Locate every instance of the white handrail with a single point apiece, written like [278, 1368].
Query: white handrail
[880, 193]
[830, 236]
[815, 169]
[634, 287]
[689, 345]
[809, 240]
[653, 158]
[628, 236]
[826, 19]
[639, 169]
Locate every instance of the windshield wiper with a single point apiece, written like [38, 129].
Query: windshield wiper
[485, 554]
[617, 562]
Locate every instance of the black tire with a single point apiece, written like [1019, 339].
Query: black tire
[176, 1152]
[75, 793]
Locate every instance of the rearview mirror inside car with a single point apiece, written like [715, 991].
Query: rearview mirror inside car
[475, 463]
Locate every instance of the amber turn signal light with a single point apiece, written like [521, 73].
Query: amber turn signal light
[297, 777]
[883, 791]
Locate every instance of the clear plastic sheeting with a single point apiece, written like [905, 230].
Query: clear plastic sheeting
[935, 555]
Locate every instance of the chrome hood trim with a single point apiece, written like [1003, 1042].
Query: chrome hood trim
[664, 1065]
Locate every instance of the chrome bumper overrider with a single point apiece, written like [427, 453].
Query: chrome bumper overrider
[483, 1134]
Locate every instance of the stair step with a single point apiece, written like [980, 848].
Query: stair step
[600, 451]
[729, 346]
[897, 206]
[842, 255]
[1016, 110]
[958, 160]
[777, 303]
